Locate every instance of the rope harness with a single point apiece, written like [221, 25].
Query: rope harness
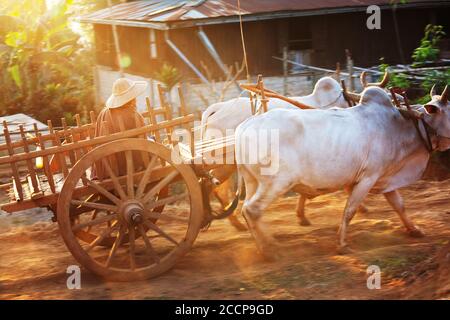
[407, 115]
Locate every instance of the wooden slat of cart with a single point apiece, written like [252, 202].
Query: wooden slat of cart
[167, 111]
[79, 136]
[97, 141]
[46, 137]
[68, 139]
[164, 104]
[48, 172]
[152, 118]
[78, 151]
[34, 185]
[16, 179]
[56, 142]
[93, 128]
[157, 174]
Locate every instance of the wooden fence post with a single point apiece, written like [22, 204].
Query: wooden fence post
[285, 70]
[350, 70]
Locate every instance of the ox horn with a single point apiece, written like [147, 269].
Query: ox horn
[383, 83]
[353, 96]
[444, 95]
[433, 91]
[363, 79]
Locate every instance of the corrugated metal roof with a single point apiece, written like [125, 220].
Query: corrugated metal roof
[164, 13]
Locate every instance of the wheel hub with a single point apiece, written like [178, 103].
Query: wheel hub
[133, 212]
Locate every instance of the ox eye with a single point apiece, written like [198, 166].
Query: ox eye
[431, 108]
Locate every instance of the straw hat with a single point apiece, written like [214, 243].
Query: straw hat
[125, 90]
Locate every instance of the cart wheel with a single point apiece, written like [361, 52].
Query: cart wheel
[146, 242]
[87, 235]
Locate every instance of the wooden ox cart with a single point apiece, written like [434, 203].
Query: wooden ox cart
[135, 223]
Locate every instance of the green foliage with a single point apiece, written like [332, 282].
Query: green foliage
[395, 80]
[395, 2]
[432, 77]
[168, 76]
[428, 49]
[49, 66]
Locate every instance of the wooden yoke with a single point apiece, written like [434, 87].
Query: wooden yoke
[264, 92]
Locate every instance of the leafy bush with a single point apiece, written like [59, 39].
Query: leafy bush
[395, 80]
[428, 49]
[48, 70]
[168, 75]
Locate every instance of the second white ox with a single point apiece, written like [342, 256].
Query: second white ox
[221, 118]
[368, 148]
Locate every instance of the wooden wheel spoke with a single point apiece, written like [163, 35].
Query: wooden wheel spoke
[102, 236]
[93, 217]
[101, 190]
[94, 205]
[115, 246]
[158, 230]
[161, 184]
[166, 201]
[148, 245]
[131, 238]
[93, 222]
[145, 177]
[167, 217]
[114, 179]
[114, 225]
[130, 173]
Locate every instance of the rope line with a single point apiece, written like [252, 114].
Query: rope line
[243, 40]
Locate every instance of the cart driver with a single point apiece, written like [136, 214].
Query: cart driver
[120, 114]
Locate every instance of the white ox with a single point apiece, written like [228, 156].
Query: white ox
[222, 117]
[368, 148]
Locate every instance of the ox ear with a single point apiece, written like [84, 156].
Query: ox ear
[431, 108]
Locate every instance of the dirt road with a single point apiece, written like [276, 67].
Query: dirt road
[224, 263]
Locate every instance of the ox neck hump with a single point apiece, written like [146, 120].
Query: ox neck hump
[375, 95]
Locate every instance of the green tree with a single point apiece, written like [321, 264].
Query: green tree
[168, 75]
[47, 66]
[429, 45]
[427, 51]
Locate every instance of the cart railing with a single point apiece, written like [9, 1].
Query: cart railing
[48, 157]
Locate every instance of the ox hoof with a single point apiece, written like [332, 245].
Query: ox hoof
[363, 209]
[304, 222]
[416, 233]
[342, 250]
